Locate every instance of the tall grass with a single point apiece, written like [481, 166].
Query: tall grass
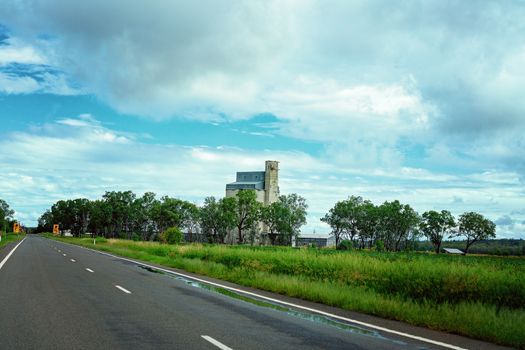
[481, 297]
[11, 237]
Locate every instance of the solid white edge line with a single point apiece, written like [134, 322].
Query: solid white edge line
[89, 270]
[10, 253]
[369, 325]
[216, 342]
[123, 289]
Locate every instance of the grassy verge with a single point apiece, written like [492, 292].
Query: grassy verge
[480, 297]
[10, 238]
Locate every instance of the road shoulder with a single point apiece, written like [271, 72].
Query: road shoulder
[398, 326]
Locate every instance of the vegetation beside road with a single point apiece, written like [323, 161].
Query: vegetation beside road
[355, 223]
[6, 224]
[11, 237]
[480, 297]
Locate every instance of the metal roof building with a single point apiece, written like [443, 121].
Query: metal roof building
[253, 180]
[452, 251]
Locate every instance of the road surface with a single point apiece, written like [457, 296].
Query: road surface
[59, 296]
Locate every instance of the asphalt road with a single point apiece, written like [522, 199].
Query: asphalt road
[58, 296]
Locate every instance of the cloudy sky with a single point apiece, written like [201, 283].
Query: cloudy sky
[421, 101]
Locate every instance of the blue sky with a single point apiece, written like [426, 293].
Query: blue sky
[417, 101]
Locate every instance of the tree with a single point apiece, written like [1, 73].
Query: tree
[337, 218]
[475, 227]
[435, 225]
[247, 211]
[344, 218]
[143, 222]
[101, 215]
[6, 214]
[396, 221]
[45, 222]
[191, 219]
[217, 218]
[367, 224]
[274, 216]
[174, 212]
[284, 218]
[81, 208]
[121, 209]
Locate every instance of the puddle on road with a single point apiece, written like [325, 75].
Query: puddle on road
[274, 306]
[147, 268]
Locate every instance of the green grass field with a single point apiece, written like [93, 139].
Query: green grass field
[480, 297]
[10, 238]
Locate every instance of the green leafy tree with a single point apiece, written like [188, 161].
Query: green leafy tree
[6, 215]
[274, 216]
[367, 223]
[247, 212]
[191, 219]
[396, 222]
[337, 218]
[435, 225]
[174, 212]
[121, 208]
[284, 218]
[217, 218]
[81, 209]
[344, 218]
[475, 227]
[101, 216]
[143, 223]
[45, 222]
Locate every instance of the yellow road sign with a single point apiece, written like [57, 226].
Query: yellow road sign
[55, 229]
[16, 227]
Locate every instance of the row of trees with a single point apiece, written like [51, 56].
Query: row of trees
[123, 214]
[394, 226]
[241, 219]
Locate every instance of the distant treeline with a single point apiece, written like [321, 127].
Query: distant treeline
[393, 226]
[125, 215]
[356, 223]
[491, 247]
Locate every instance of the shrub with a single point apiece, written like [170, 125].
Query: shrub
[380, 245]
[345, 245]
[173, 235]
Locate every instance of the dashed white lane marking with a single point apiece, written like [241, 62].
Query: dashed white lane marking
[59, 251]
[123, 289]
[10, 253]
[89, 270]
[64, 254]
[319, 312]
[73, 260]
[216, 342]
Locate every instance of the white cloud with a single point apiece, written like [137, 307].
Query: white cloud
[13, 51]
[427, 74]
[80, 157]
[17, 85]
[326, 110]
